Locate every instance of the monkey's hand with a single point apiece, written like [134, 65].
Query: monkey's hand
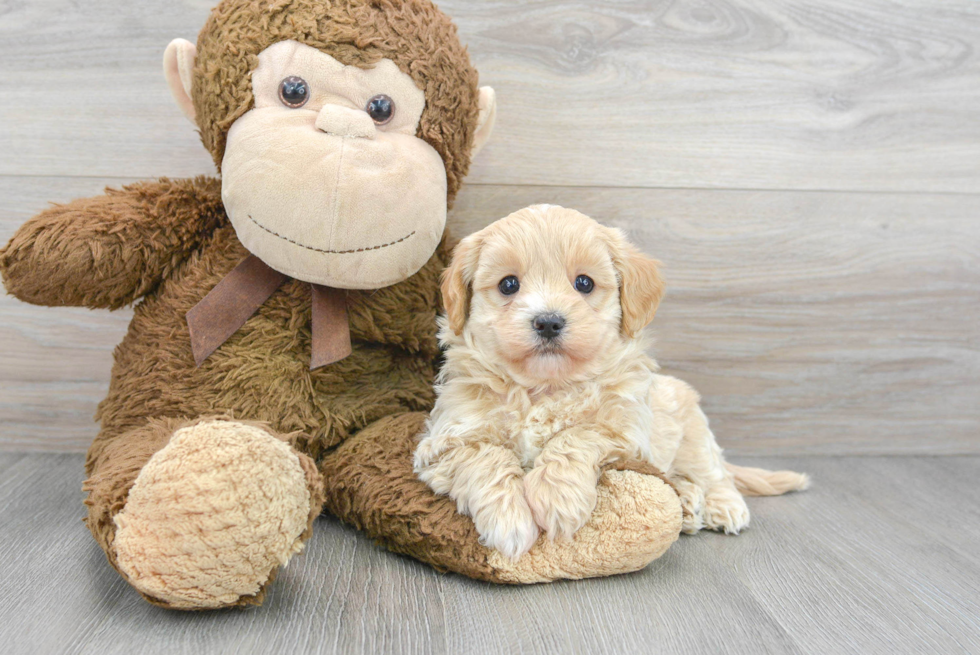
[110, 250]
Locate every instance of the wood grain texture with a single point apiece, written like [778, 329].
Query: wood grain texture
[876, 95]
[810, 322]
[873, 559]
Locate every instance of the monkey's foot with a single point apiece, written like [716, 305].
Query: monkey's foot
[213, 515]
[636, 518]
[371, 484]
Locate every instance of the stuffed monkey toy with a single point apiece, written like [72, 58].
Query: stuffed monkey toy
[283, 346]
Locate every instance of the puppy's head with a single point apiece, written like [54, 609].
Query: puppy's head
[548, 292]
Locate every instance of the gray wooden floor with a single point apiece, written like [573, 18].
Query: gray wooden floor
[880, 556]
[810, 175]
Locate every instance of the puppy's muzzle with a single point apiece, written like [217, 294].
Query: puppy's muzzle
[548, 326]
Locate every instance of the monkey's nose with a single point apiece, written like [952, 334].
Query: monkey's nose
[345, 122]
[548, 326]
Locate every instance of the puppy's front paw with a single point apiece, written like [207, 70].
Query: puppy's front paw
[725, 510]
[692, 504]
[507, 525]
[561, 505]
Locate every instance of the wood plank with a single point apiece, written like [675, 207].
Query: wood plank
[810, 322]
[877, 95]
[862, 562]
[873, 546]
[105, 110]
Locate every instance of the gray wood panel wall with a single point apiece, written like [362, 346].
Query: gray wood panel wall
[809, 173]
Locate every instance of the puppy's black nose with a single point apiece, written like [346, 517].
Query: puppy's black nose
[548, 326]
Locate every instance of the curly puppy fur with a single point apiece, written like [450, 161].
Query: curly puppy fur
[638, 514]
[524, 423]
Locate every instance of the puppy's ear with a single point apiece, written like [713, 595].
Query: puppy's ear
[640, 285]
[457, 280]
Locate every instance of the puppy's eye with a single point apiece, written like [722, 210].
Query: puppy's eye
[381, 109]
[584, 284]
[294, 92]
[509, 285]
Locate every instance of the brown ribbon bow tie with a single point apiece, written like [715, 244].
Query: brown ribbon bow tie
[240, 294]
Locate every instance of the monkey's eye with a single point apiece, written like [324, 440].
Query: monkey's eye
[584, 284]
[509, 285]
[294, 92]
[380, 108]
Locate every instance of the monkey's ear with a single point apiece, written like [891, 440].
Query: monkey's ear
[640, 285]
[178, 68]
[488, 116]
[457, 280]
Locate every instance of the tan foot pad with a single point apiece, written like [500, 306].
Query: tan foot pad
[370, 483]
[212, 515]
[636, 519]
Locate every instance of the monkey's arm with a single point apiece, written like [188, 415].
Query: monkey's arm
[108, 251]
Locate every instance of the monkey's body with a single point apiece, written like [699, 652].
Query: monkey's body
[395, 353]
[261, 374]
[204, 480]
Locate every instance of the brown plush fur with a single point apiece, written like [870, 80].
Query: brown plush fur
[262, 371]
[153, 245]
[167, 243]
[108, 251]
[400, 514]
[414, 34]
[404, 517]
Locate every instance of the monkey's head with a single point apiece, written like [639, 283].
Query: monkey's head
[342, 130]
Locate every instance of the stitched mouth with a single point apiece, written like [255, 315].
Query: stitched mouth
[331, 252]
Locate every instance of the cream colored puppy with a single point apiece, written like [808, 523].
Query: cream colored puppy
[547, 379]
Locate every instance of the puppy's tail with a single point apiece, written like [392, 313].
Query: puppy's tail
[760, 482]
